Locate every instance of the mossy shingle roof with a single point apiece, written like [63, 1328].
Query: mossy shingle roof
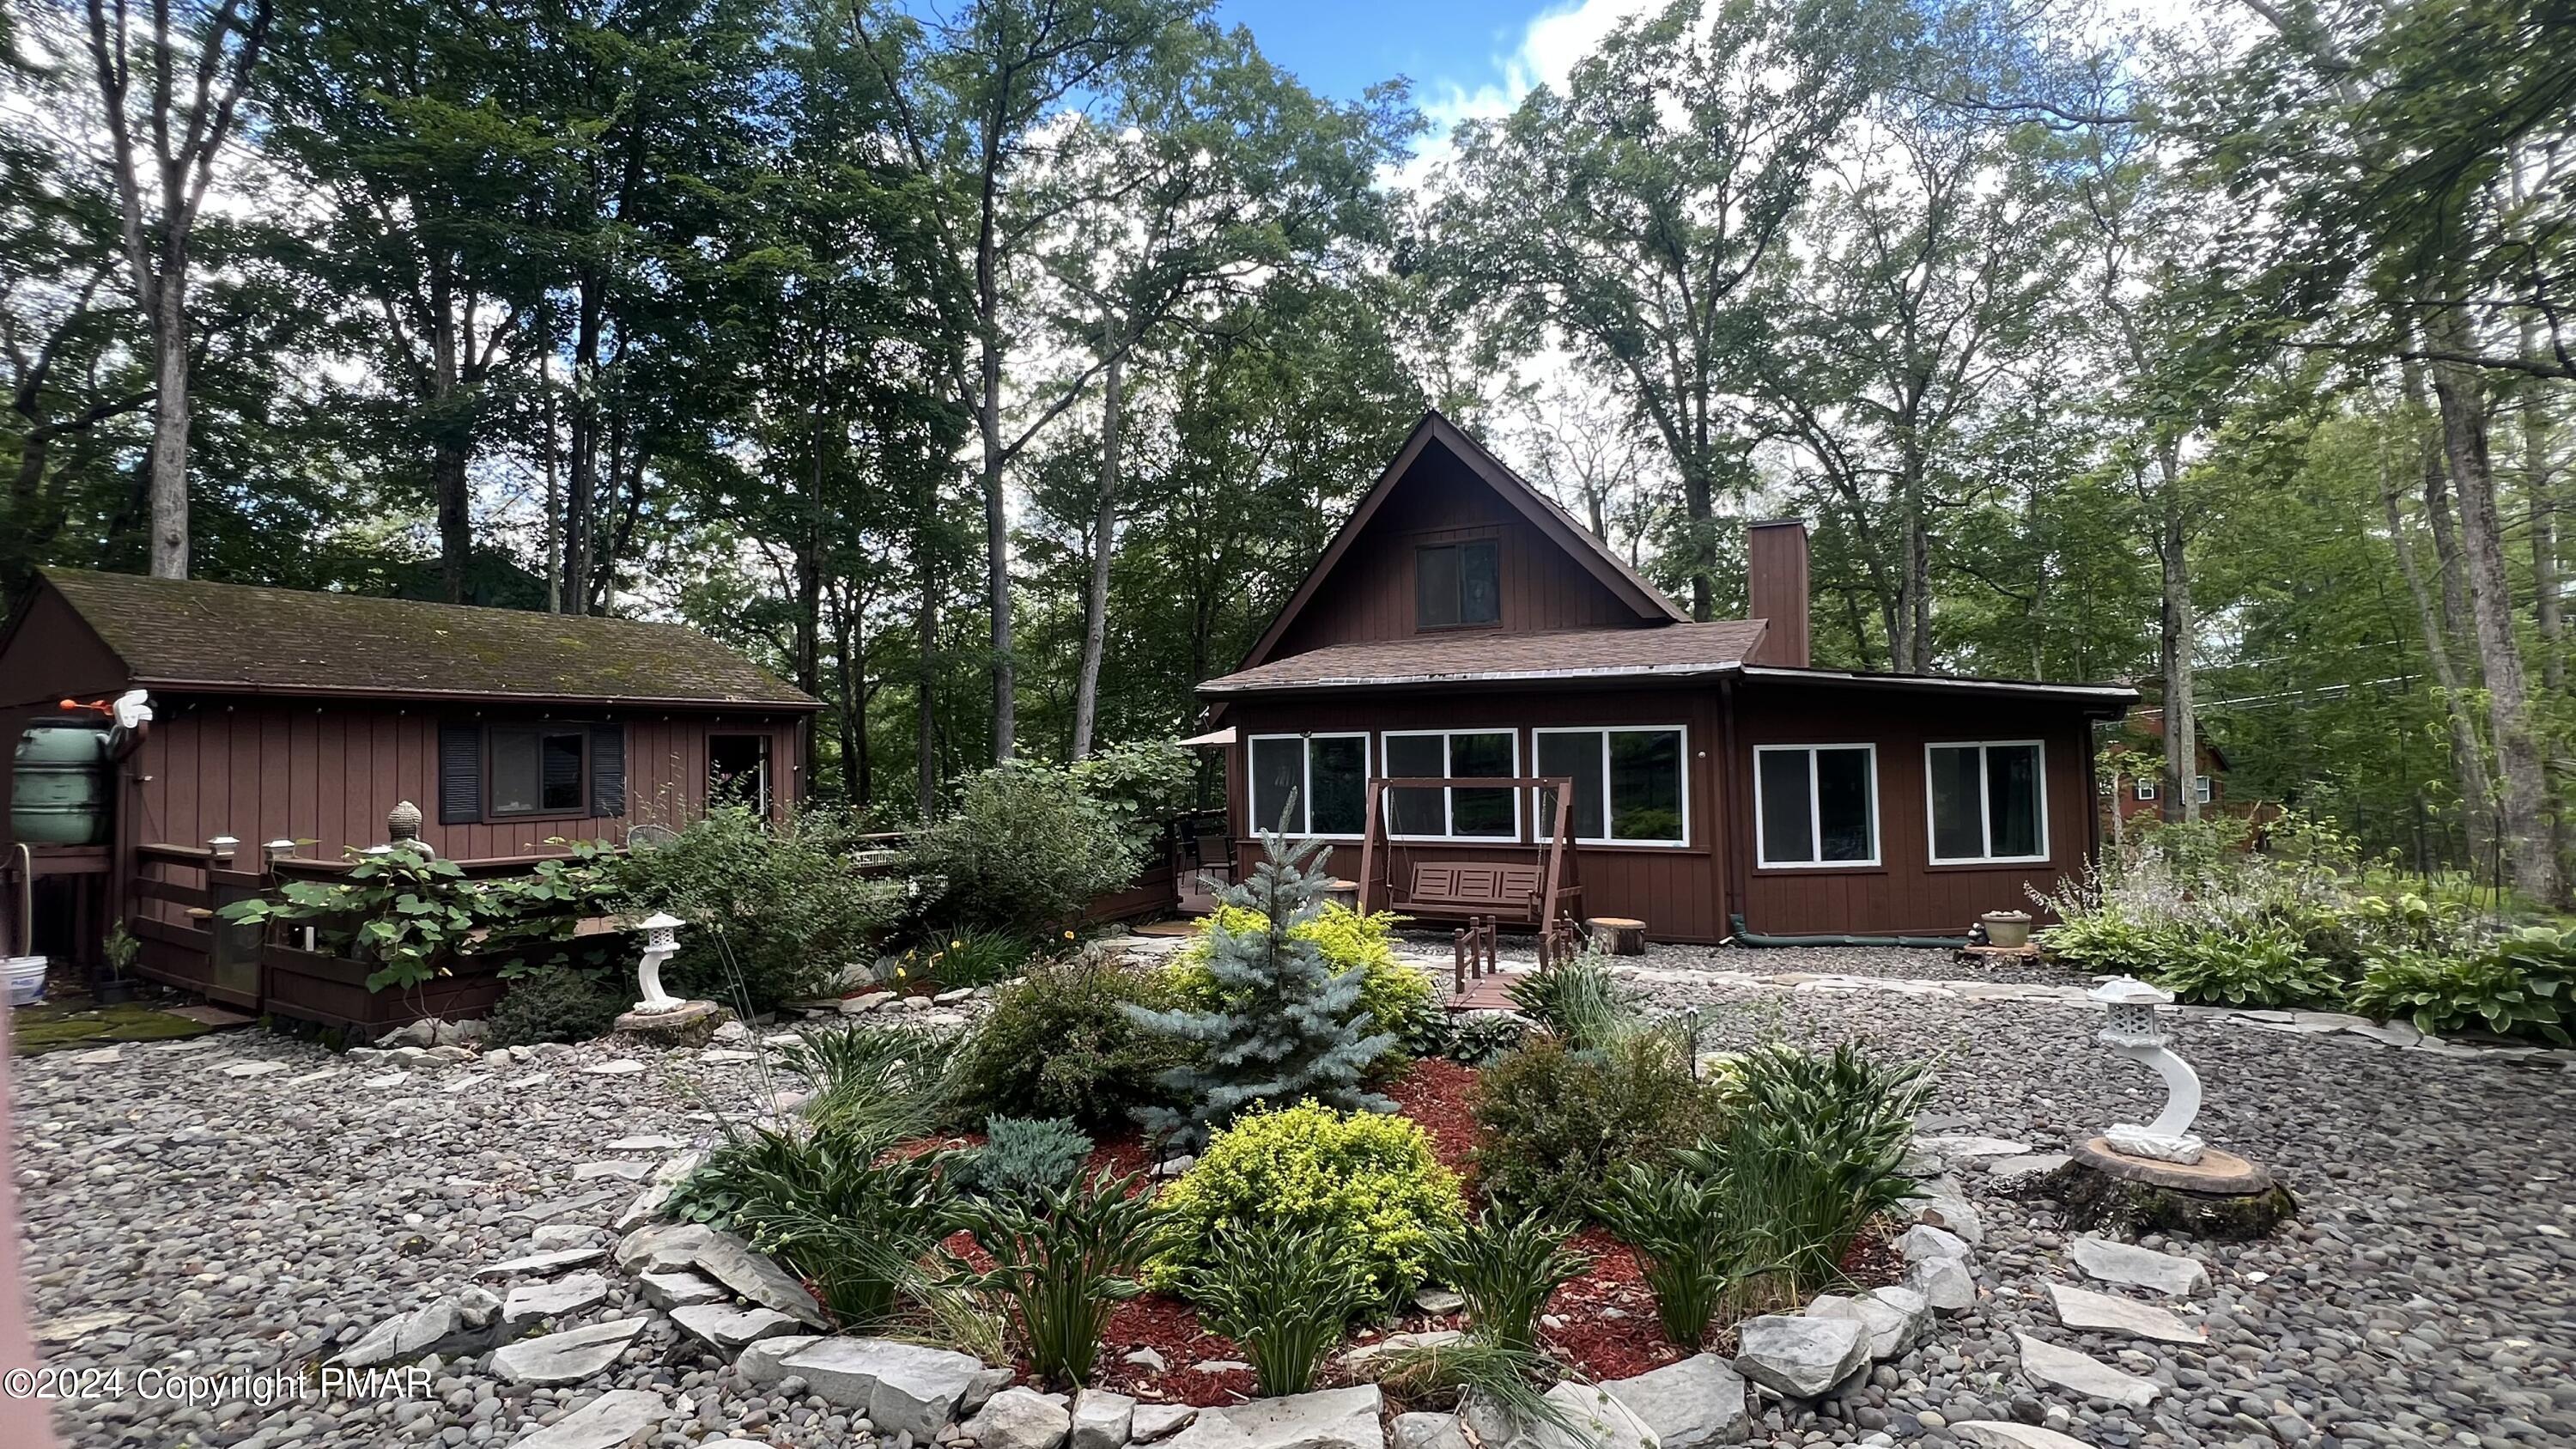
[188, 633]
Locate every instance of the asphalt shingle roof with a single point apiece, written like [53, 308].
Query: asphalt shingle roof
[1469, 657]
[174, 632]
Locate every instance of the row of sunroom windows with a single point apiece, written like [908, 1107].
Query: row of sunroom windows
[1814, 805]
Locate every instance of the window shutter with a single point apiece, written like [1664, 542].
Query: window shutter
[607, 770]
[460, 774]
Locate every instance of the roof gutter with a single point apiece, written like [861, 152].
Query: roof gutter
[1219, 689]
[473, 696]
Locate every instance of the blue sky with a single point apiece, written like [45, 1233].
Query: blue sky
[1340, 47]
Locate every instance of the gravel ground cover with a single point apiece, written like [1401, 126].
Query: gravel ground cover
[183, 1217]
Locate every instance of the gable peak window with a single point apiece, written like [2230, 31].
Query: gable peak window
[1456, 584]
[1988, 801]
[1815, 805]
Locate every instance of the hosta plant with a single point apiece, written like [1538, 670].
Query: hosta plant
[2520, 985]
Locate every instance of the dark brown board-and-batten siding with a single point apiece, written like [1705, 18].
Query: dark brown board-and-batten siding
[327, 771]
[1686, 893]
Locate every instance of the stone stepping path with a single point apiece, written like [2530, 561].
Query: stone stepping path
[553, 1262]
[567, 1357]
[616, 1418]
[2051, 1367]
[2086, 1311]
[2136, 1267]
[2005, 1434]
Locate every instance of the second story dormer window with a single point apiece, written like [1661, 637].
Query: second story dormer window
[1457, 583]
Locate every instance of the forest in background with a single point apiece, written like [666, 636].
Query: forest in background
[994, 370]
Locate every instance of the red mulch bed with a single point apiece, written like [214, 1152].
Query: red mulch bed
[1609, 1329]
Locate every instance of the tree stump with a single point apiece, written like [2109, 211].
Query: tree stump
[2221, 1196]
[1619, 935]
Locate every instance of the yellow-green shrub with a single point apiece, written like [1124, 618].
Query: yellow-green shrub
[1366, 1178]
[1397, 997]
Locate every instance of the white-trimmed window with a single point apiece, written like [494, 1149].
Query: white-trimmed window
[2200, 789]
[1631, 786]
[1815, 805]
[2146, 789]
[1988, 800]
[1461, 812]
[1320, 781]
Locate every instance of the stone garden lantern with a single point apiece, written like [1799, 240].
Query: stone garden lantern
[660, 1015]
[2161, 1175]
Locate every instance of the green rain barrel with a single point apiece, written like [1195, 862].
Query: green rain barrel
[59, 796]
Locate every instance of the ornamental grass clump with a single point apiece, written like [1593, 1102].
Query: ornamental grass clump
[1063, 1259]
[1682, 1226]
[1506, 1269]
[1579, 1002]
[1284, 1293]
[838, 1206]
[1285, 1026]
[1367, 1183]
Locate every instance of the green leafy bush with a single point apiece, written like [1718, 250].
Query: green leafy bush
[2261, 964]
[969, 956]
[1024, 1158]
[1506, 1269]
[1063, 1259]
[1140, 784]
[1024, 850]
[1061, 1043]
[1812, 1149]
[1557, 1122]
[775, 912]
[1281, 1291]
[837, 1206]
[2520, 985]
[1686, 1240]
[1477, 1038]
[1366, 1182]
[1397, 999]
[1580, 1001]
[411, 913]
[559, 1003]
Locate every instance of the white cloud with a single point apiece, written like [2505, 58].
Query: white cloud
[1545, 53]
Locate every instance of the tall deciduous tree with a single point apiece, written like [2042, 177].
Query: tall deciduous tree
[170, 88]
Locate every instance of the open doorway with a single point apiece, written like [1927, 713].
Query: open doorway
[738, 772]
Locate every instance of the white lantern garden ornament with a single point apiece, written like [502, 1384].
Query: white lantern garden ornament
[661, 943]
[2136, 1032]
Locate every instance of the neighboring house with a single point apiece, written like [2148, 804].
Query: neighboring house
[2139, 798]
[285, 715]
[1460, 624]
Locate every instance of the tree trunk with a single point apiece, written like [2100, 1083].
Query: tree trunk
[2174, 653]
[2540, 491]
[988, 424]
[2533, 864]
[1104, 530]
[448, 434]
[455, 526]
[925, 711]
[170, 420]
[809, 580]
[2468, 755]
[580, 495]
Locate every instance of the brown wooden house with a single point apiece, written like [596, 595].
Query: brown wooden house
[1461, 626]
[281, 715]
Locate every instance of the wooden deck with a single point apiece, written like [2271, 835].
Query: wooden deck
[1487, 993]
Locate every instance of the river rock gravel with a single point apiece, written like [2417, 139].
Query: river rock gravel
[184, 1218]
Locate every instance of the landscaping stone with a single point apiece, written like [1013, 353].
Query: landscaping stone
[642, 1245]
[1102, 1420]
[730, 1328]
[622, 1067]
[1426, 1431]
[620, 1168]
[1361, 1359]
[2087, 1311]
[1325, 1419]
[1694, 1404]
[682, 1289]
[530, 1304]
[1943, 1205]
[2118, 1262]
[549, 1262]
[1439, 1301]
[2004, 1434]
[1925, 1241]
[255, 1069]
[1598, 1422]
[1890, 1328]
[1156, 1422]
[756, 1278]
[567, 1357]
[1019, 1419]
[614, 1420]
[2011, 1172]
[902, 1387]
[2051, 1367]
[464, 1324]
[1148, 1359]
[1800, 1357]
[1953, 1146]
[762, 1364]
[1945, 1284]
[548, 1237]
[645, 1142]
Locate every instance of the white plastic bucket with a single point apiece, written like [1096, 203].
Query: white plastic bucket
[26, 978]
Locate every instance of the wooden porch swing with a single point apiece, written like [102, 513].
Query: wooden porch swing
[1529, 893]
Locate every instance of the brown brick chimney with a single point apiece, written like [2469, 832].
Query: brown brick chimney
[1775, 556]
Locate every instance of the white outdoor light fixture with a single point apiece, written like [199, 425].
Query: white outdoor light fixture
[661, 943]
[2136, 1032]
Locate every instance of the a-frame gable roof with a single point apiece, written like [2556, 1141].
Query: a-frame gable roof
[1552, 522]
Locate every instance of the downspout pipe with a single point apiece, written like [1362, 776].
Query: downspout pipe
[1751, 937]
